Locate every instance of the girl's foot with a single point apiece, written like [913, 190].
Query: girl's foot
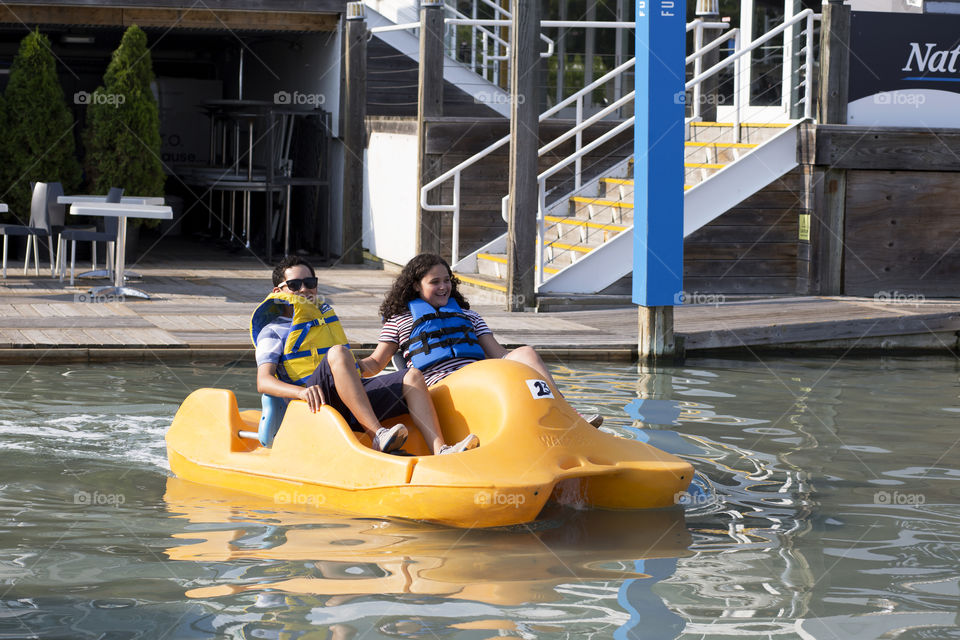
[470, 442]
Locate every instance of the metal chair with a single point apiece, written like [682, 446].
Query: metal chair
[39, 226]
[108, 235]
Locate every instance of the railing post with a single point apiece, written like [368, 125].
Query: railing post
[354, 133]
[808, 71]
[834, 63]
[524, 142]
[579, 143]
[429, 104]
[706, 99]
[832, 109]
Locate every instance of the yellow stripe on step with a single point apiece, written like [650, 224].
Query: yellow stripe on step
[570, 247]
[617, 181]
[602, 203]
[492, 258]
[759, 125]
[703, 165]
[483, 284]
[584, 223]
[721, 145]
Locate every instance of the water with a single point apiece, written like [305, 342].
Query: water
[826, 505]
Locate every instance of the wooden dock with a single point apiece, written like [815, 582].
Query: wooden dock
[203, 312]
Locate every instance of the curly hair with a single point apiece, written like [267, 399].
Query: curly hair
[403, 292]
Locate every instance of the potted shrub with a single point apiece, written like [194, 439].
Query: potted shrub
[123, 125]
[36, 128]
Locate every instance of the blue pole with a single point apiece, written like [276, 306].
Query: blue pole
[658, 153]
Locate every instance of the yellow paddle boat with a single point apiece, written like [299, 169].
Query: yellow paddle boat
[533, 445]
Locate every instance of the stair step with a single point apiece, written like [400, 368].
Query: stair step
[495, 265]
[584, 223]
[601, 202]
[758, 125]
[703, 165]
[571, 247]
[482, 281]
[721, 145]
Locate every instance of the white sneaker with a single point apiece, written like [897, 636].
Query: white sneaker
[390, 439]
[470, 442]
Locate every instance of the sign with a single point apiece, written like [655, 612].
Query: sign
[658, 152]
[904, 69]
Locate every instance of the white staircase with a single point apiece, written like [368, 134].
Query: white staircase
[383, 16]
[586, 239]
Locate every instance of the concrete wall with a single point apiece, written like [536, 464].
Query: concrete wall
[390, 195]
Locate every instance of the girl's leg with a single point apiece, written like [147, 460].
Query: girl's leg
[421, 409]
[531, 358]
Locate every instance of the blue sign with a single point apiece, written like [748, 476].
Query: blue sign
[658, 153]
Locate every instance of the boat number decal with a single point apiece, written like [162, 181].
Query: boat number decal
[539, 389]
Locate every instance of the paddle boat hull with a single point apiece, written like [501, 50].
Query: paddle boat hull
[533, 445]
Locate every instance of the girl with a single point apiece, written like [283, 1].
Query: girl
[430, 321]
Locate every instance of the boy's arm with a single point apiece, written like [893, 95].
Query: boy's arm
[268, 383]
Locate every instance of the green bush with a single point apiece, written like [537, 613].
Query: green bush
[123, 124]
[36, 128]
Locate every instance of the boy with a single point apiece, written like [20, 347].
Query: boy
[363, 402]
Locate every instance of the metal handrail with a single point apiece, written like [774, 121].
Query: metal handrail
[458, 169]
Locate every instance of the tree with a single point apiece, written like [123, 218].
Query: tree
[36, 128]
[123, 123]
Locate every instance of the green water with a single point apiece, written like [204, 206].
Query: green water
[826, 505]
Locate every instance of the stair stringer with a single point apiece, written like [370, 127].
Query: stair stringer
[705, 202]
[482, 90]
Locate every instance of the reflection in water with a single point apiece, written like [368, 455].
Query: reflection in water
[566, 558]
[825, 505]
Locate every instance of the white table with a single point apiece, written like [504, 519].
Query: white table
[121, 210]
[71, 200]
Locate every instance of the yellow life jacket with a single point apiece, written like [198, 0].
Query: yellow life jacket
[314, 329]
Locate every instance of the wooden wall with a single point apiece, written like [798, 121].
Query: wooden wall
[900, 211]
[392, 86]
[753, 248]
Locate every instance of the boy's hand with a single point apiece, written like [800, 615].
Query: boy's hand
[313, 396]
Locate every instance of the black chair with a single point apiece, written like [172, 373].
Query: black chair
[111, 225]
[38, 227]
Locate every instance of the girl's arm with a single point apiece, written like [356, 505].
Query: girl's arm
[376, 361]
[491, 347]
[268, 383]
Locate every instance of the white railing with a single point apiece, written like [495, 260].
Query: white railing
[739, 82]
[576, 132]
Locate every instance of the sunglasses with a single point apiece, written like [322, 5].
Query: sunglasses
[294, 284]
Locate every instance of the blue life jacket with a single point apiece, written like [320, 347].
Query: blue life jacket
[440, 334]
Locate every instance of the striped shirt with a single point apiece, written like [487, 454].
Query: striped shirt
[397, 330]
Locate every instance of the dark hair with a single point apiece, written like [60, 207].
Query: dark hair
[402, 292]
[286, 263]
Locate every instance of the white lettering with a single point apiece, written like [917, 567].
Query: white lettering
[641, 9]
[953, 60]
[665, 5]
[938, 61]
[915, 54]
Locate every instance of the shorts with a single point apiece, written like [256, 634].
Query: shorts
[384, 391]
